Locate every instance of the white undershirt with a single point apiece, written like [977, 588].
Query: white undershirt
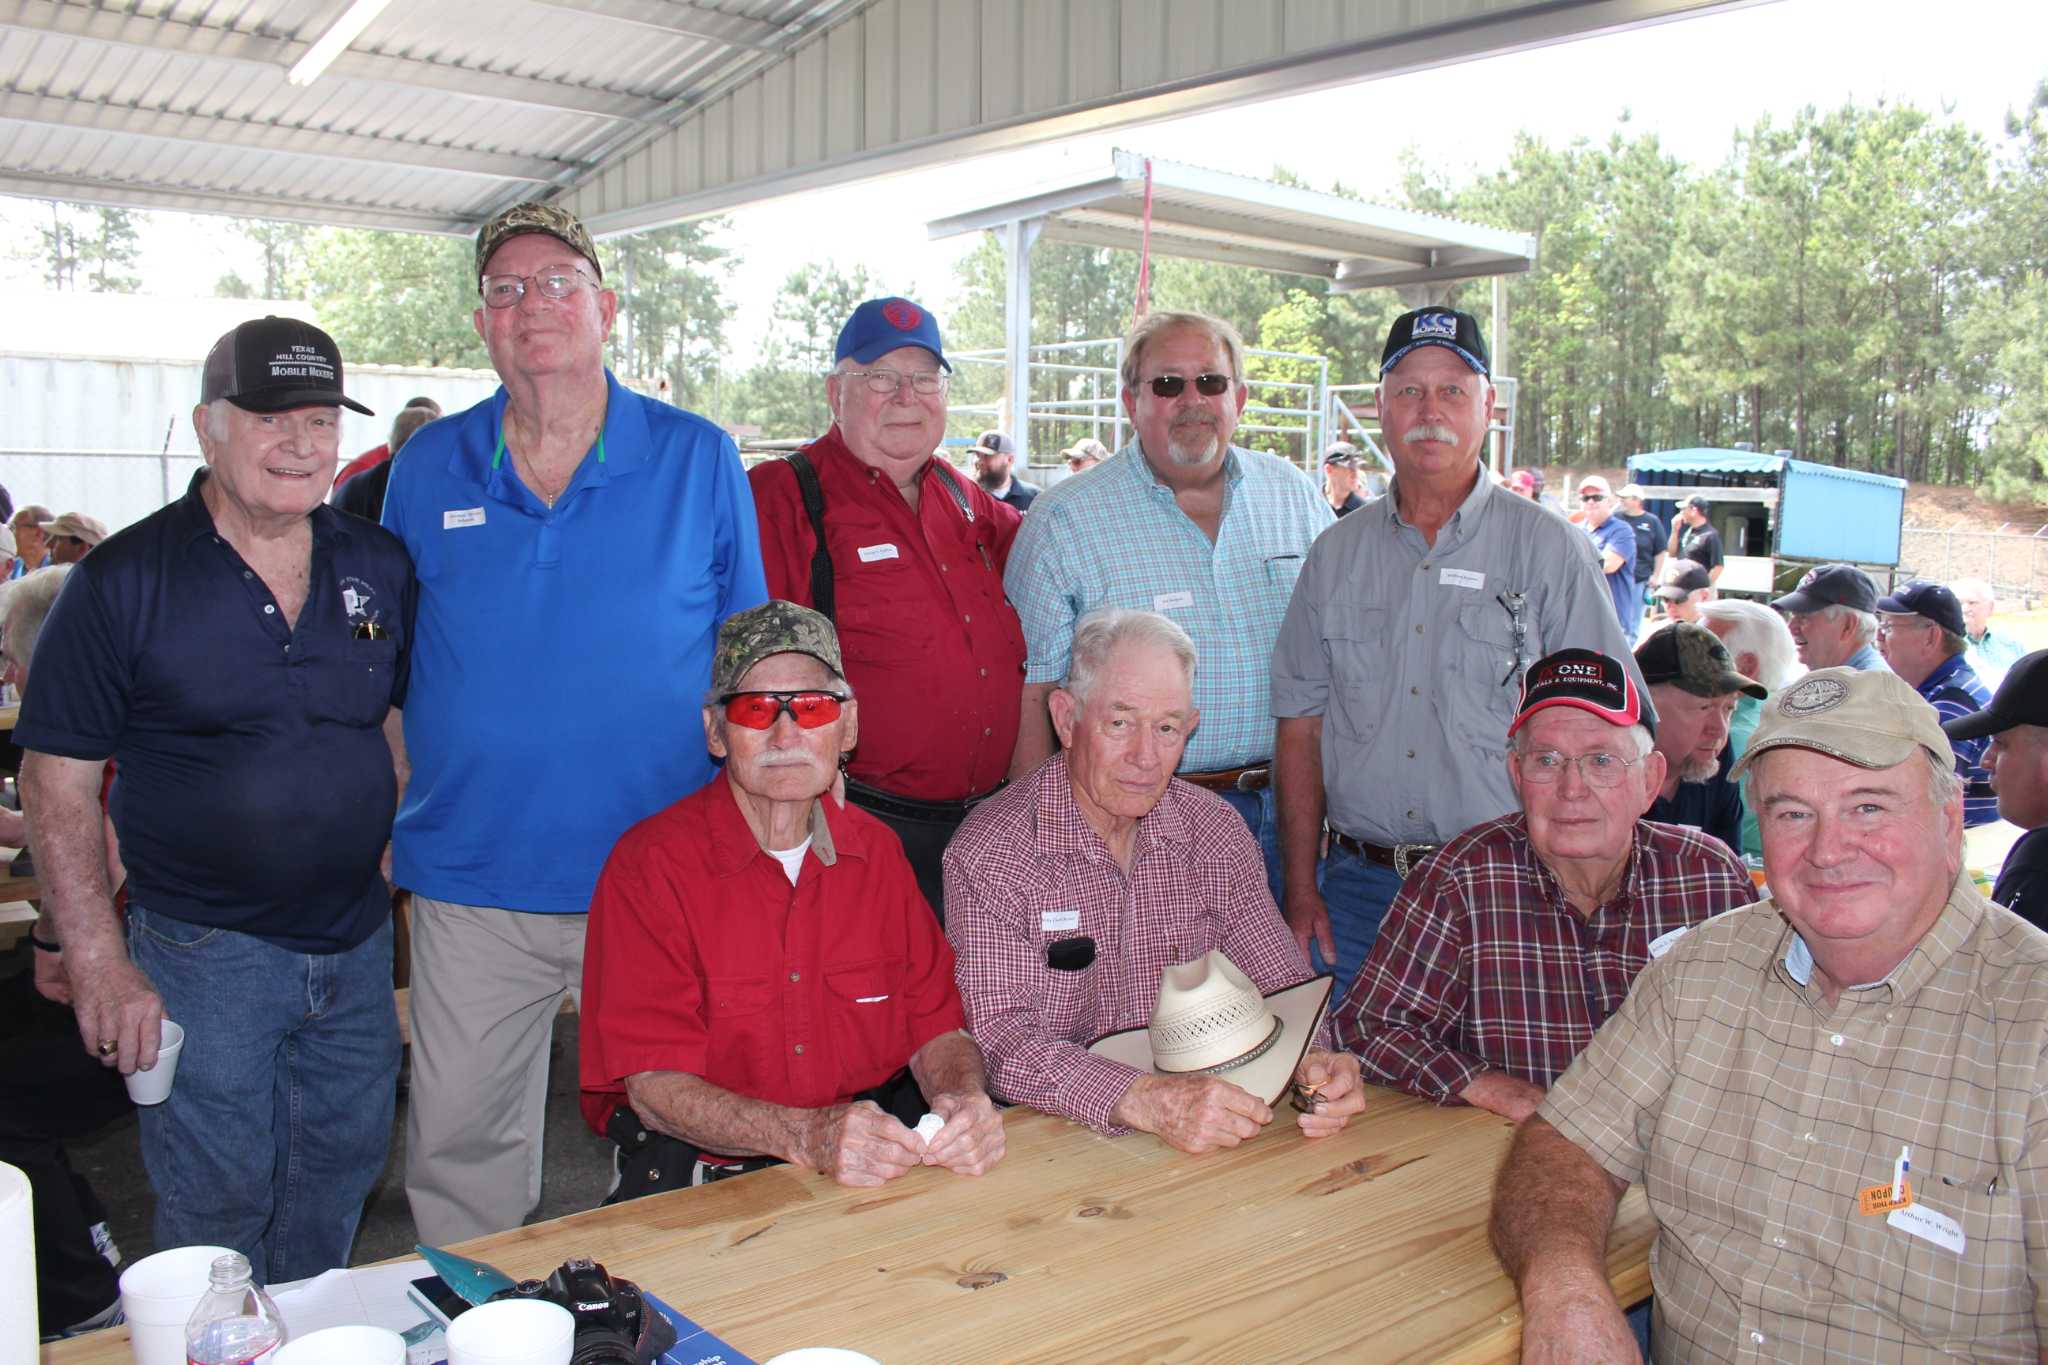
[791, 858]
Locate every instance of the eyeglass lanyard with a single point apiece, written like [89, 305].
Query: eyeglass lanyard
[498, 455]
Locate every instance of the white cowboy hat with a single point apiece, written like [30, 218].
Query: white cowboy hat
[1212, 1021]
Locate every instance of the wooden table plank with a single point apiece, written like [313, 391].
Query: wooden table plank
[1082, 1248]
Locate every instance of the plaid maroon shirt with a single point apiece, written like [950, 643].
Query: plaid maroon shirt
[1482, 964]
[1026, 871]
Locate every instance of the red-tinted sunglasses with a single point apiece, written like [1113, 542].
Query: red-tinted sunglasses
[760, 710]
[1207, 385]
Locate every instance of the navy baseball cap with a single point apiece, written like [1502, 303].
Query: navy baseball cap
[1585, 679]
[995, 443]
[1446, 327]
[880, 326]
[2022, 699]
[1930, 600]
[1831, 585]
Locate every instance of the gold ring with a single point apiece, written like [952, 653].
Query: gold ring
[108, 1047]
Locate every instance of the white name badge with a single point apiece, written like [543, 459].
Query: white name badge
[1662, 944]
[1930, 1225]
[870, 553]
[1053, 920]
[1167, 601]
[462, 516]
[1463, 578]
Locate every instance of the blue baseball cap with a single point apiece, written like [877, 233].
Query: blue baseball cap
[880, 326]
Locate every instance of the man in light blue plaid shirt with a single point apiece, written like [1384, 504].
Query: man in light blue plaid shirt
[1182, 523]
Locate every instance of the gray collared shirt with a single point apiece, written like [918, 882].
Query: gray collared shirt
[1409, 653]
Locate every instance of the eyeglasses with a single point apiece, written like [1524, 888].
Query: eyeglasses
[760, 710]
[502, 291]
[1592, 497]
[1598, 769]
[1207, 385]
[924, 383]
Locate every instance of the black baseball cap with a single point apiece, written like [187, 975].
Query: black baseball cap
[1685, 582]
[1586, 679]
[1831, 585]
[1446, 327]
[2022, 699]
[995, 443]
[1692, 659]
[276, 364]
[1698, 504]
[1930, 600]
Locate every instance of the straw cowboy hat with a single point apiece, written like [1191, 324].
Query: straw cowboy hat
[1212, 1021]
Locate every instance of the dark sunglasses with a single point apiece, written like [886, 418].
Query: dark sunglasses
[760, 710]
[1207, 385]
[1592, 497]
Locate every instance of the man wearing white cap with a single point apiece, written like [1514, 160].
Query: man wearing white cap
[1832, 1099]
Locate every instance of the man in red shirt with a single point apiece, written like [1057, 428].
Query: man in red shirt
[381, 454]
[759, 965]
[912, 576]
[1509, 946]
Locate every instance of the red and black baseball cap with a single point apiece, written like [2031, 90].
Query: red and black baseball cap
[276, 364]
[1586, 679]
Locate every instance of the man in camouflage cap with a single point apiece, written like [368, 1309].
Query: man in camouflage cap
[1694, 686]
[762, 968]
[1814, 1090]
[581, 544]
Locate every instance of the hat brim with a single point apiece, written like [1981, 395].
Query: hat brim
[1389, 362]
[1980, 723]
[1723, 684]
[1673, 593]
[1852, 744]
[874, 351]
[1620, 720]
[1801, 602]
[536, 230]
[1299, 1008]
[284, 400]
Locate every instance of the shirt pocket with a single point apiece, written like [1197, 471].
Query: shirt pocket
[744, 1031]
[868, 1023]
[1483, 656]
[884, 611]
[1960, 1301]
[1361, 673]
[357, 690]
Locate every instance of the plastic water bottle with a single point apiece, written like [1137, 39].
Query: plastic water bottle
[236, 1323]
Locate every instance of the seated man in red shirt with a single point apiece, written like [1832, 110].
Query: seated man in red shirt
[760, 964]
[1509, 946]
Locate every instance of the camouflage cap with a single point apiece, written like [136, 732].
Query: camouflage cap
[1692, 659]
[1873, 719]
[533, 216]
[749, 636]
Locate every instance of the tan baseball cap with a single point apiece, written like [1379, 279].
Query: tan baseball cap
[78, 526]
[1871, 718]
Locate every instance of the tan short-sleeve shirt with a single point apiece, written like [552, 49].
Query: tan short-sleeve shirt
[1752, 1114]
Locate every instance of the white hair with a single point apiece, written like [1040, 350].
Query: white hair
[1973, 590]
[1866, 621]
[1639, 732]
[26, 606]
[1101, 633]
[217, 420]
[1753, 628]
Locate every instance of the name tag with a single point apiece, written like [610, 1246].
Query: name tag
[1463, 578]
[1054, 920]
[870, 553]
[462, 516]
[1661, 944]
[1930, 1225]
[1167, 601]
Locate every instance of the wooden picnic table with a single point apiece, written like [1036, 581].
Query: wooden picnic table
[1370, 1245]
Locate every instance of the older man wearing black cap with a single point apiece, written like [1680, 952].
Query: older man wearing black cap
[1394, 677]
[1695, 687]
[995, 460]
[1921, 635]
[578, 545]
[1685, 589]
[2016, 724]
[1832, 615]
[237, 654]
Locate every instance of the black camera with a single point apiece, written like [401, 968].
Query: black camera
[614, 1324]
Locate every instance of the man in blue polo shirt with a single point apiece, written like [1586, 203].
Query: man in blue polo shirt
[237, 655]
[1921, 633]
[577, 547]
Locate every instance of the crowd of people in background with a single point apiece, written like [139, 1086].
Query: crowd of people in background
[854, 797]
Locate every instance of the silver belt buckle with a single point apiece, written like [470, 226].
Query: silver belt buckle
[1407, 855]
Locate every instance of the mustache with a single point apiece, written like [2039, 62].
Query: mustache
[1443, 435]
[784, 758]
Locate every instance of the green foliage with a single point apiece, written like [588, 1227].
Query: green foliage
[85, 247]
[396, 298]
[784, 395]
[671, 285]
[280, 260]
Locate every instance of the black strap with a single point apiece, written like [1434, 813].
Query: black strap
[823, 599]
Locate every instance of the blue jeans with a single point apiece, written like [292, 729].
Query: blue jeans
[1258, 812]
[1357, 894]
[280, 1114]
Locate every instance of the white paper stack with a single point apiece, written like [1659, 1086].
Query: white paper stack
[17, 1270]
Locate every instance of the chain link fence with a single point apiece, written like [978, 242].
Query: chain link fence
[2013, 560]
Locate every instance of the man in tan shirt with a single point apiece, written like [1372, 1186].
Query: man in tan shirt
[1839, 1171]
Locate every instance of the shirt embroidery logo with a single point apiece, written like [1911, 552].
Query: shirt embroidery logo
[1813, 696]
[461, 516]
[1437, 325]
[355, 599]
[902, 314]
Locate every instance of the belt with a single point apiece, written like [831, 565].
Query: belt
[913, 808]
[1401, 857]
[1232, 779]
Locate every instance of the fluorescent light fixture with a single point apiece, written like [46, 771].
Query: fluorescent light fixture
[335, 41]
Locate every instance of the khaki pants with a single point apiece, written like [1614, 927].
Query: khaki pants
[486, 986]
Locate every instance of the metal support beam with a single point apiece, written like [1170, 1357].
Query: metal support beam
[1018, 236]
[319, 212]
[727, 30]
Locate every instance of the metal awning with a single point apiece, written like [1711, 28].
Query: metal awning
[1237, 220]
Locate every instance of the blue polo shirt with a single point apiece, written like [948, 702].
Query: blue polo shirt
[254, 788]
[563, 652]
[1617, 535]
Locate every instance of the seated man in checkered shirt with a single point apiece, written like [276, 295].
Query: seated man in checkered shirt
[1509, 946]
[1070, 893]
[1836, 1101]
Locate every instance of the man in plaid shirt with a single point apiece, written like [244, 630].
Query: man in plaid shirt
[1508, 947]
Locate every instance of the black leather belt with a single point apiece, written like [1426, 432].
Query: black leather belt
[1232, 779]
[911, 808]
[1401, 857]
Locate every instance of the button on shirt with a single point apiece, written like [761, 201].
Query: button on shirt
[1119, 539]
[256, 787]
[702, 958]
[1950, 676]
[1752, 1112]
[1408, 653]
[1026, 871]
[932, 648]
[1483, 964]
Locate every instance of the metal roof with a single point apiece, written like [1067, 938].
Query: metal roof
[439, 114]
[1238, 220]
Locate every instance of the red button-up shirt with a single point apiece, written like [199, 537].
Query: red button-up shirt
[1483, 964]
[702, 958]
[932, 647]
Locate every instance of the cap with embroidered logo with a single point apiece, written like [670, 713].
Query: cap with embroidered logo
[1446, 327]
[276, 364]
[880, 326]
[1872, 718]
[1585, 679]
